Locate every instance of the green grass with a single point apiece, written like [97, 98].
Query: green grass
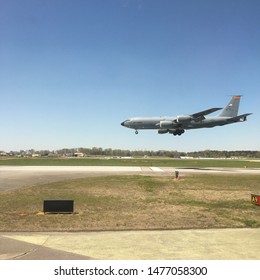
[135, 202]
[163, 162]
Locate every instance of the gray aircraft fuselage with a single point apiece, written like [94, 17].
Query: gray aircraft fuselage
[152, 122]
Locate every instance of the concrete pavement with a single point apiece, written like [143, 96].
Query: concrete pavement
[211, 244]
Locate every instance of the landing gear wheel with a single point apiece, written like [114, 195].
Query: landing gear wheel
[136, 132]
[178, 132]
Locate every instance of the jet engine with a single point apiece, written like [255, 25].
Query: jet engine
[184, 119]
[166, 124]
[162, 131]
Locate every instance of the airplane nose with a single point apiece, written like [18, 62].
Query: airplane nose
[123, 123]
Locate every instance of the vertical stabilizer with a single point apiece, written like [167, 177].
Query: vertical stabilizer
[231, 109]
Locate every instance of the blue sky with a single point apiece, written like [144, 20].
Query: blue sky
[72, 71]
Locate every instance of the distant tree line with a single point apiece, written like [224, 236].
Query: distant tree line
[225, 154]
[95, 151]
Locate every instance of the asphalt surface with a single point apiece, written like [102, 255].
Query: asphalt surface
[237, 244]
[12, 177]
[12, 249]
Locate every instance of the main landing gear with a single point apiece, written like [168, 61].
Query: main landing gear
[178, 132]
[136, 132]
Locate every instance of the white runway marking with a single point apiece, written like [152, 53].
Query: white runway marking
[156, 169]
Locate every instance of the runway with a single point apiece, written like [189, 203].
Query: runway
[233, 244]
[12, 177]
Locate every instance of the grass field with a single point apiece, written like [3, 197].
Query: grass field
[135, 202]
[163, 162]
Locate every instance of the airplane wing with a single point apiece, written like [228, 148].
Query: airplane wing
[200, 115]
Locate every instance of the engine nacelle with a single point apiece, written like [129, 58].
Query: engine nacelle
[183, 119]
[166, 124]
[162, 131]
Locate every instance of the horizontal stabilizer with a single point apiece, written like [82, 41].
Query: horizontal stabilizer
[240, 118]
[200, 115]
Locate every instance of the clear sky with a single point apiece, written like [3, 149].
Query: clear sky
[72, 71]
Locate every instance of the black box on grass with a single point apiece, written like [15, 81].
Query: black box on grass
[58, 206]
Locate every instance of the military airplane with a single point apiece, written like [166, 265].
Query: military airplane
[177, 125]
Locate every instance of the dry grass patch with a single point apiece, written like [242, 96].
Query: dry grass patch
[136, 202]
